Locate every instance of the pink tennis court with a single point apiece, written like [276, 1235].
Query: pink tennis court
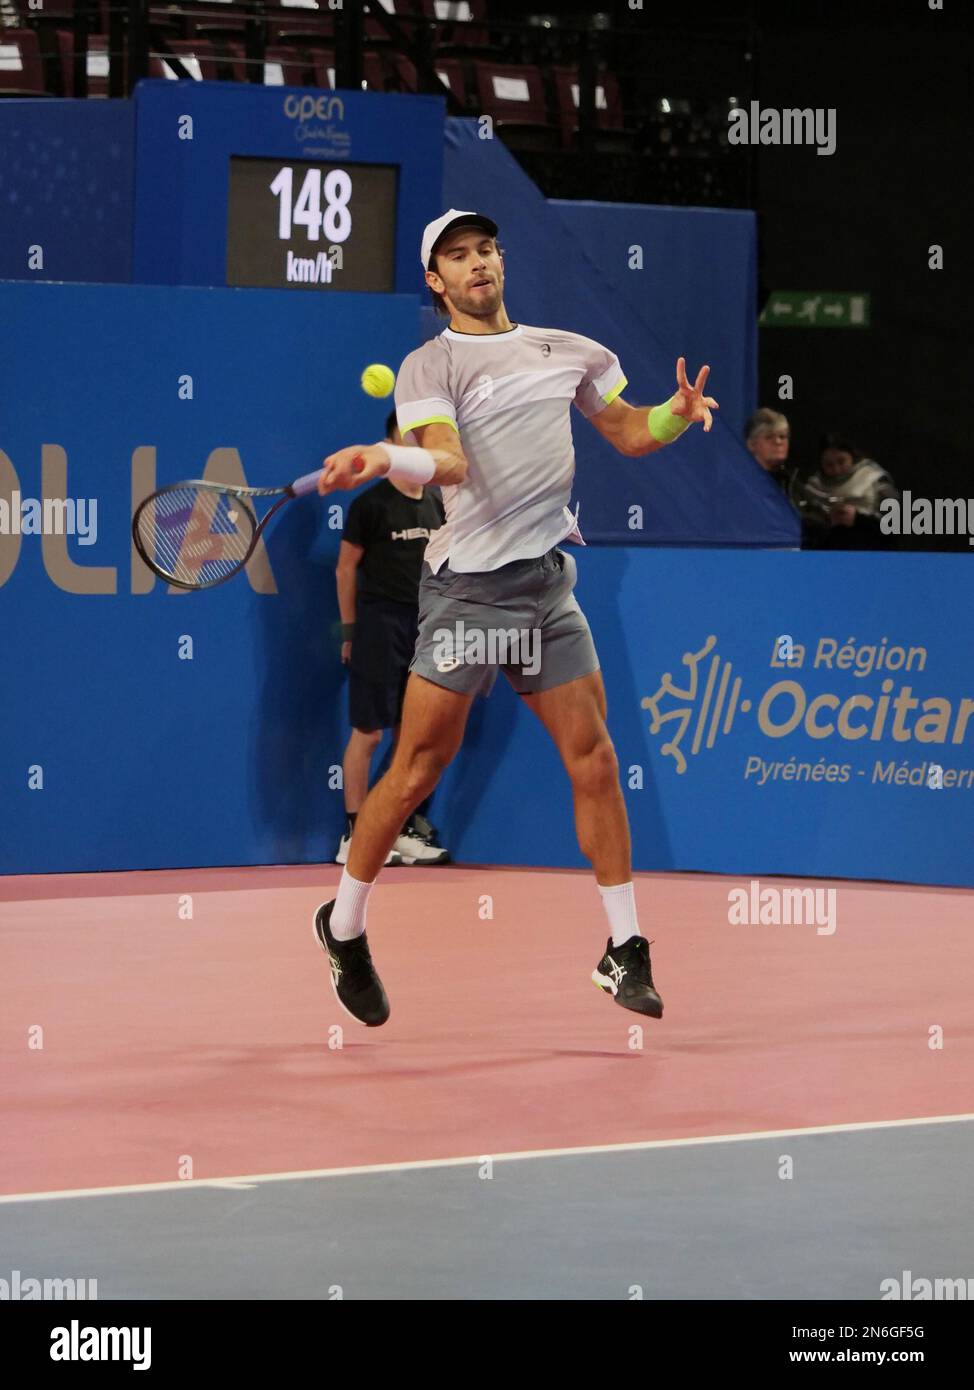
[195, 1074]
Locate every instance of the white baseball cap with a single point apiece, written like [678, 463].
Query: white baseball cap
[448, 223]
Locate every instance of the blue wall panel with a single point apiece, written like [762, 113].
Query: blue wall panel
[66, 184]
[696, 288]
[150, 761]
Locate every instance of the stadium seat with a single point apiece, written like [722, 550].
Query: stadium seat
[323, 64]
[232, 29]
[448, 70]
[399, 74]
[378, 70]
[383, 71]
[375, 75]
[461, 25]
[451, 74]
[514, 97]
[204, 19]
[97, 64]
[405, 12]
[196, 55]
[230, 58]
[286, 67]
[304, 25]
[609, 118]
[21, 70]
[164, 21]
[307, 22]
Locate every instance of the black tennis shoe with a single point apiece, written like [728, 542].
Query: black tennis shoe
[357, 987]
[626, 973]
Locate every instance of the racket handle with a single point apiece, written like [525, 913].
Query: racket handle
[309, 483]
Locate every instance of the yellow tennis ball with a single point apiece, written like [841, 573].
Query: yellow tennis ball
[378, 380]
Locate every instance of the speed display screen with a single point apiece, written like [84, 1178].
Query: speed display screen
[311, 225]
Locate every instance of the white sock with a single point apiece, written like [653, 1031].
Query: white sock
[619, 902]
[348, 914]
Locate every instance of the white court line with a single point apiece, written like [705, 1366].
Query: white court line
[360, 1170]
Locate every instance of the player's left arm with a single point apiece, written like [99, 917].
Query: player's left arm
[637, 430]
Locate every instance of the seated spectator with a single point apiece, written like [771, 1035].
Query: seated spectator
[767, 435]
[840, 502]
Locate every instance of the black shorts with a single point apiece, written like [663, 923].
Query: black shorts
[382, 648]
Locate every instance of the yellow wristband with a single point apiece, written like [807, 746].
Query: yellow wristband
[664, 426]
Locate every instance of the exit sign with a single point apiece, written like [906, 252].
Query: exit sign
[815, 309]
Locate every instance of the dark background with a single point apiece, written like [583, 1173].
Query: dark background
[900, 78]
[864, 218]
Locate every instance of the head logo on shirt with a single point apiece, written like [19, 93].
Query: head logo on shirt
[546, 349]
[412, 533]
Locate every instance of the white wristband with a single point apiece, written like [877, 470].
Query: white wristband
[408, 464]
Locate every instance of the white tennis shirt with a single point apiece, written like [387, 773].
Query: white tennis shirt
[508, 396]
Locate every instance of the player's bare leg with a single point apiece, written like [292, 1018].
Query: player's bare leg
[433, 722]
[416, 842]
[574, 715]
[431, 731]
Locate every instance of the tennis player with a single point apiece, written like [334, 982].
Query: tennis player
[487, 402]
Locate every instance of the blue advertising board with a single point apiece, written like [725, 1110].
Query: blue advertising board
[188, 134]
[773, 712]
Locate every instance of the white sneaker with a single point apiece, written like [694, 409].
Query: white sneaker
[392, 858]
[417, 849]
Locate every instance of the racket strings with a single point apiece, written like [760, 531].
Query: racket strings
[196, 536]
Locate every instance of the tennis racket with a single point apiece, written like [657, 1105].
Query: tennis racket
[197, 534]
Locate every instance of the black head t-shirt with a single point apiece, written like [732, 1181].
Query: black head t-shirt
[393, 531]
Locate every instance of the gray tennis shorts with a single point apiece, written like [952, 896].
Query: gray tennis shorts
[522, 619]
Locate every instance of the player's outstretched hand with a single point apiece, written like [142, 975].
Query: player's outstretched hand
[689, 401]
[351, 467]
